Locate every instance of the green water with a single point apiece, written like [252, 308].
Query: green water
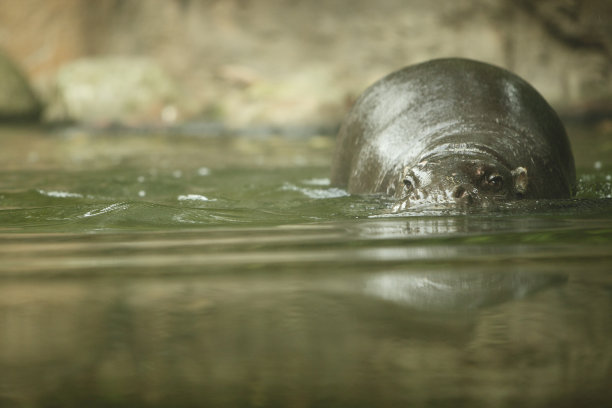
[153, 270]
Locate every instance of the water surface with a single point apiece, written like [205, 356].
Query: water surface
[156, 270]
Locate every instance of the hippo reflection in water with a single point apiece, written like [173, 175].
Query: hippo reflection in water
[453, 131]
[456, 291]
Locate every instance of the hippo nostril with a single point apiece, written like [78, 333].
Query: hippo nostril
[460, 192]
[463, 194]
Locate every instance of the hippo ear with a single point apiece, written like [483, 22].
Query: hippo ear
[519, 176]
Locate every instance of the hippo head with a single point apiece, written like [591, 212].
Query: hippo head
[464, 180]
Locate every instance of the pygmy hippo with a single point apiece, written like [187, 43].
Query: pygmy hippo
[453, 131]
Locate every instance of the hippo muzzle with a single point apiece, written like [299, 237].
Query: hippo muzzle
[459, 179]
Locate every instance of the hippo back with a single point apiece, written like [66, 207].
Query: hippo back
[411, 112]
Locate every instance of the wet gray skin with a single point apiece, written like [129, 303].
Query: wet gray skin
[453, 131]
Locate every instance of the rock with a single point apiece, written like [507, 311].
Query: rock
[111, 90]
[17, 101]
[254, 63]
[308, 95]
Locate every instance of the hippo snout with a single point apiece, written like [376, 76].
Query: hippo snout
[465, 194]
[472, 178]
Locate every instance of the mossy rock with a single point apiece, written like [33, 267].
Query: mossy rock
[110, 90]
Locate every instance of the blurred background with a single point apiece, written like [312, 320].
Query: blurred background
[288, 63]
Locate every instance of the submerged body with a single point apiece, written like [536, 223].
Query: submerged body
[453, 130]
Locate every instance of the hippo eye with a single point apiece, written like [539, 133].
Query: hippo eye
[495, 181]
[407, 183]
